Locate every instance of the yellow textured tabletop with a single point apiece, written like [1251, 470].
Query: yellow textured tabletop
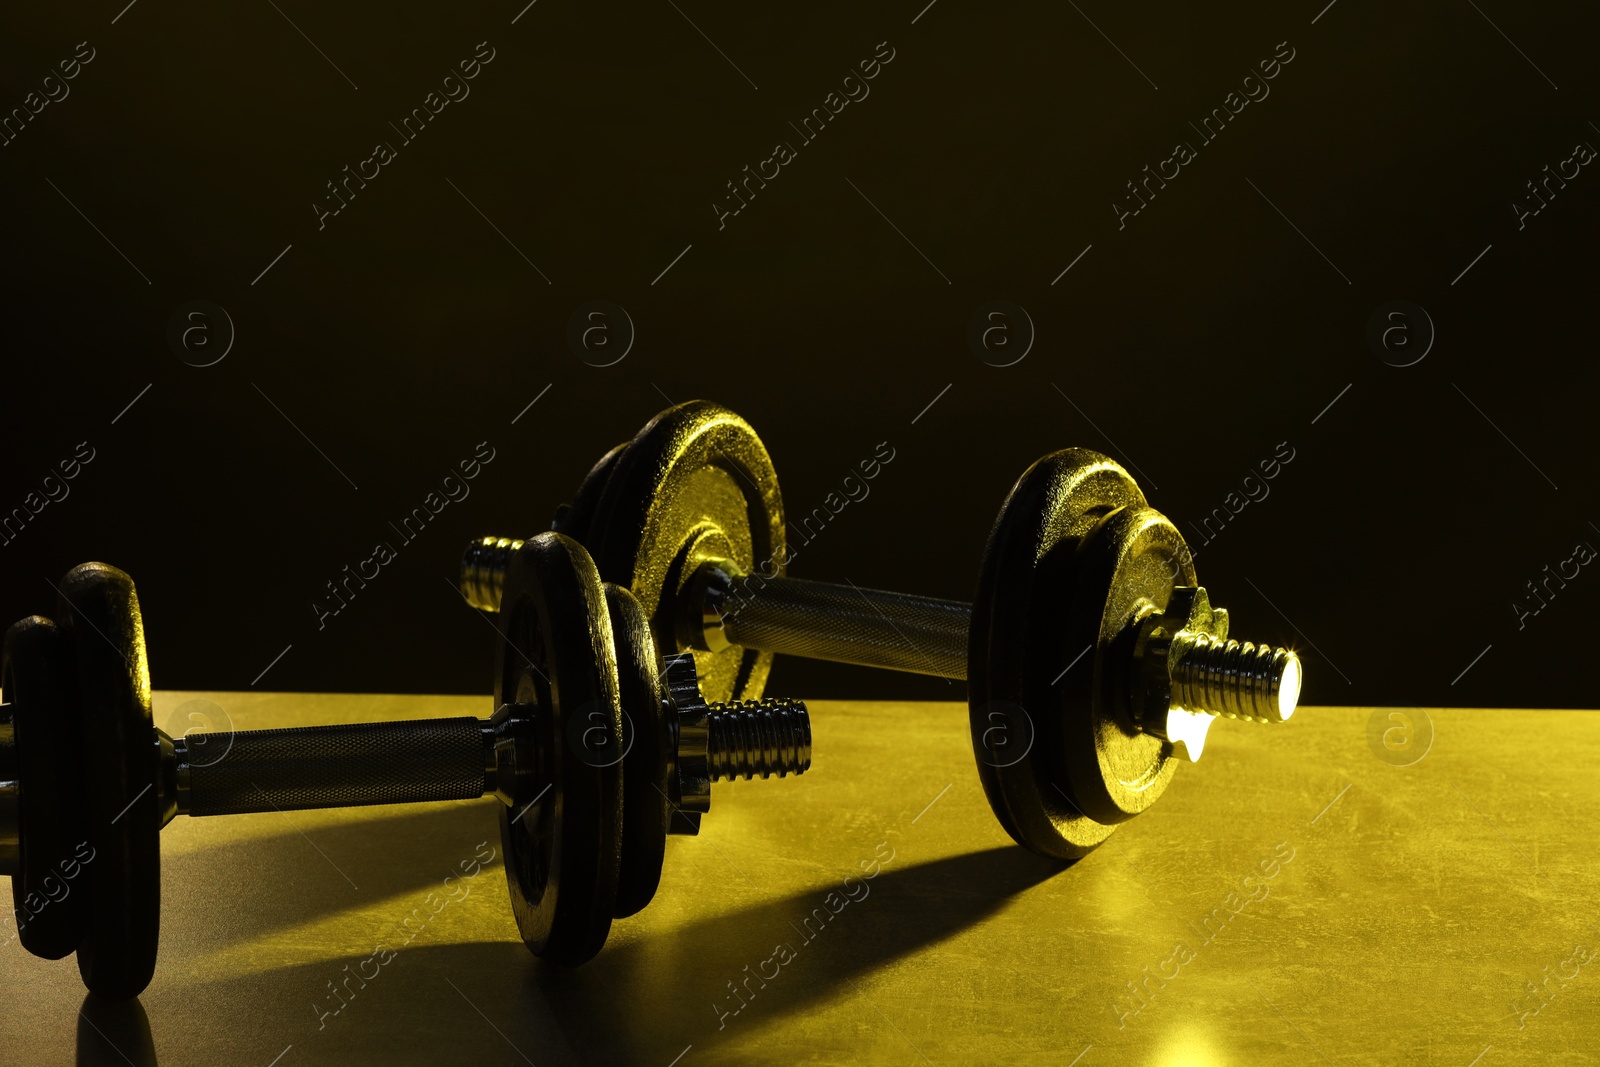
[1305, 894]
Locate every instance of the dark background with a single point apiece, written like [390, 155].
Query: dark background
[1188, 344]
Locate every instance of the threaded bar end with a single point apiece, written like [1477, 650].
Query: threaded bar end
[483, 570]
[1237, 680]
[765, 737]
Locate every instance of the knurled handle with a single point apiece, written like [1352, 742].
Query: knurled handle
[847, 624]
[341, 766]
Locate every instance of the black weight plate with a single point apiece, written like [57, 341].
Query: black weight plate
[576, 519]
[1126, 568]
[695, 483]
[98, 612]
[563, 832]
[48, 890]
[646, 799]
[1023, 702]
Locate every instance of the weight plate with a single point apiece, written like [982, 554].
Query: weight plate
[695, 484]
[563, 832]
[48, 890]
[1035, 707]
[98, 613]
[646, 801]
[1125, 569]
[576, 519]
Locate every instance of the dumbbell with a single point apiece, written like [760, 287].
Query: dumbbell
[594, 750]
[1078, 567]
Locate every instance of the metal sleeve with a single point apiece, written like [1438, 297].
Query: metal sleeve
[847, 624]
[483, 571]
[341, 766]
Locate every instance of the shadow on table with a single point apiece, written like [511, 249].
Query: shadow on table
[729, 972]
[643, 1000]
[114, 1032]
[336, 867]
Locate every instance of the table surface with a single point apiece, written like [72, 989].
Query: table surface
[1353, 887]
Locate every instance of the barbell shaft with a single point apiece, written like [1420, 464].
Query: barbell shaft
[846, 624]
[341, 766]
[815, 620]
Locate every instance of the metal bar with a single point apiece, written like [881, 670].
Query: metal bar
[335, 766]
[847, 624]
[817, 620]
